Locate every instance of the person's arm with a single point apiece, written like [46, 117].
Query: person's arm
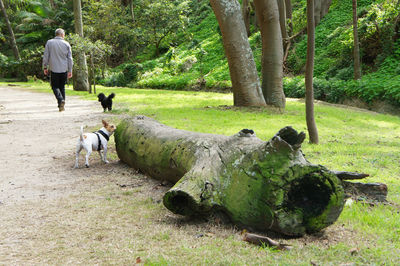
[46, 56]
[70, 62]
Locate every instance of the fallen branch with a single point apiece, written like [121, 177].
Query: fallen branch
[263, 240]
[366, 191]
[342, 175]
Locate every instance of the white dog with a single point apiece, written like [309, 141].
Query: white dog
[94, 141]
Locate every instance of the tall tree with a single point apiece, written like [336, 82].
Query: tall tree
[282, 18]
[267, 12]
[310, 119]
[80, 75]
[161, 19]
[242, 67]
[289, 16]
[10, 30]
[246, 15]
[356, 51]
[131, 5]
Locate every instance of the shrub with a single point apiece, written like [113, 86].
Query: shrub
[324, 90]
[122, 75]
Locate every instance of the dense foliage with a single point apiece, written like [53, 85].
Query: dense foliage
[177, 45]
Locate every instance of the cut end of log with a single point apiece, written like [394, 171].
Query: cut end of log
[314, 202]
[180, 202]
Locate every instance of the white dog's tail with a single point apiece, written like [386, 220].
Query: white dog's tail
[81, 135]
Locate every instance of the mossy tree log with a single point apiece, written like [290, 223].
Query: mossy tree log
[259, 185]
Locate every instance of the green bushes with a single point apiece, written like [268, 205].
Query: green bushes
[380, 85]
[166, 81]
[324, 90]
[29, 65]
[122, 75]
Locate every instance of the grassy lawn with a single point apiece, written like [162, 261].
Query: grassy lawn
[350, 140]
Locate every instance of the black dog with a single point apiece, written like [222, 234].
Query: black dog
[106, 102]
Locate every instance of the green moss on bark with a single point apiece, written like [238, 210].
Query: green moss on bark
[260, 185]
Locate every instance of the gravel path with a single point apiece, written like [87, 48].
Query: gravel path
[34, 136]
[37, 154]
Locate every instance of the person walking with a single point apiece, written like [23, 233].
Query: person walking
[57, 59]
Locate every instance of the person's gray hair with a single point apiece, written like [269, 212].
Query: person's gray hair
[59, 32]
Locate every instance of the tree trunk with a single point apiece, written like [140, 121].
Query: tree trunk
[131, 10]
[357, 63]
[317, 11]
[325, 7]
[52, 4]
[311, 125]
[93, 73]
[242, 68]
[10, 31]
[272, 52]
[246, 15]
[282, 19]
[157, 52]
[289, 16]
[254, 19]
[80, 76]
[91, 76]
[259, 185]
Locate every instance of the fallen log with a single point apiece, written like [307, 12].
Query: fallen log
[259, 185]
[366, 191]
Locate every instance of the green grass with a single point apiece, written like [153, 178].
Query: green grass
[350, 139]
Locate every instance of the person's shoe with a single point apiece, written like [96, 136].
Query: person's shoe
[61, 106]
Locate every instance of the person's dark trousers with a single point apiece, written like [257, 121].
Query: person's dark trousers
[58, 81]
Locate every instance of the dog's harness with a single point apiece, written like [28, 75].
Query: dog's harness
[98, 137]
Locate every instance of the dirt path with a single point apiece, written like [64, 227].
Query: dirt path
[34, 135]
[37, 144]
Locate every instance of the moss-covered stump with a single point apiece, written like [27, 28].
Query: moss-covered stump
[259, 185]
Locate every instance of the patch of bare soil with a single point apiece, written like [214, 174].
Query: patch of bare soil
[37, 151]
[51, 213]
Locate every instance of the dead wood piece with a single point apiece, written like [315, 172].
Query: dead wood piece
[263, 240]
[367, 191]
[262, 185]
[343, 175]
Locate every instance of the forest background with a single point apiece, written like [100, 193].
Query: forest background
[177, 45]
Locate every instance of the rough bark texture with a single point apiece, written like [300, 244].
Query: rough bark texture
[289, 14]
[325, 5]
[11, 32]
[282, 19]
[343, 175]
[317, 11]
[242, 68]
[272, 52]
[259, 185]
[311, 125]
[80, 72]
[366, 191]
[246, 15]
[356, 51]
